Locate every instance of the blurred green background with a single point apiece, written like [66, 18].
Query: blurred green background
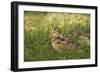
[37, 28]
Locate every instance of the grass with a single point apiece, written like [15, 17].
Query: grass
[37, 28]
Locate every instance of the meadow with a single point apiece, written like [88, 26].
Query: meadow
[37, 28]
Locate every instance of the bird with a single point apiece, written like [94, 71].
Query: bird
[58, 41]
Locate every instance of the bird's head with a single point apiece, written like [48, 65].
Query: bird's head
[55, 32]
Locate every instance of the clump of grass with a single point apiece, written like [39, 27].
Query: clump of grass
[37, 28]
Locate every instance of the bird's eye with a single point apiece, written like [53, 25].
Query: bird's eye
[62, 39]
[54, 29]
